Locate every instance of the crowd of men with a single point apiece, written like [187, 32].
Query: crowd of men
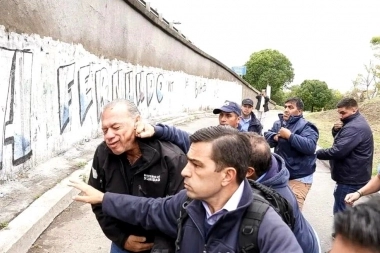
[157, 188]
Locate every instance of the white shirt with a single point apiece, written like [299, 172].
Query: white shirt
[231, 205]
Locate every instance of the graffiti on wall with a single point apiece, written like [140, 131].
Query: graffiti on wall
[94, 88]
[15, 104]
[73, 88]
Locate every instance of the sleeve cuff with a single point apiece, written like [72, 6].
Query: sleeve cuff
[158, 130]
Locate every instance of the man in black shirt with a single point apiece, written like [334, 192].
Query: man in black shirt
[140, 167]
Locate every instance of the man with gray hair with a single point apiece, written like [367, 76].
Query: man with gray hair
[140, 167]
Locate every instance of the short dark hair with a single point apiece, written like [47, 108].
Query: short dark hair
[297, 101]
[361, 224]
[347, 102]
[230, 148]
[261, 156]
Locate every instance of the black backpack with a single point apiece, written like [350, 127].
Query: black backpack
[263, 198]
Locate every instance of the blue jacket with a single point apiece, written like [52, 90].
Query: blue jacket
[255, 125]
[299, 151]
[351, 155]
[274, 236]
[277, 178]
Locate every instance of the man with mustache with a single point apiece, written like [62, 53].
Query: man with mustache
[295, 140]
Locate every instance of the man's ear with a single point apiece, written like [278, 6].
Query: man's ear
[229, 176]
[251, 173]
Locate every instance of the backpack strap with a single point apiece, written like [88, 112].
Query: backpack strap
[276, 201]
[182, 217]
[249, 228]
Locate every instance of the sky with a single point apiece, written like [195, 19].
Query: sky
[328, 40]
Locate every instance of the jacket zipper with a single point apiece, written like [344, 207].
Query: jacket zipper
[124, 177]
[142, 191]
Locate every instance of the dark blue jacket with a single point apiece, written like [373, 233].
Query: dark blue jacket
[274, 236]
[255, 125]
[173, 135]
[299, 151]
[277, 178]
[351, 155]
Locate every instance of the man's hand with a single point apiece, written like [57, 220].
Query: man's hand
[91, 195]
[137, 244]
[284, 133]
[351, 198]
[338, 125]
[144, 130]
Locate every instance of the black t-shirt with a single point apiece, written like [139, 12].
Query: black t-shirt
[130, 170]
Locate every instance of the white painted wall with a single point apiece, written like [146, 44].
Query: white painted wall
[52, 94]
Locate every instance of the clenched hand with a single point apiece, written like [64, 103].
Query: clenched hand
[144, 130]
[284, 133]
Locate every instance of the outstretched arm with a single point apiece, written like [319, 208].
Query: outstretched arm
[164, 133]
[173, 135]
[149, 213]
[343, 145]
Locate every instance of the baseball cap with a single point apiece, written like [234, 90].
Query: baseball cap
[247, 101]
[228, 106]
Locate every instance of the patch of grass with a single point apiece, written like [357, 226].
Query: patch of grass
[325, 121]
[81, 164]
[4, 225]
[84, 177]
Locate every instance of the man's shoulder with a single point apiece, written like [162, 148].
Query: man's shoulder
[169, 149]
[102, 148]
[360, 122]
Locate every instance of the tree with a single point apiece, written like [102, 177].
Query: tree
[315, 94]
[336, 97]
[375, 43]
[269, 67]
[368, 83]
[287, 93]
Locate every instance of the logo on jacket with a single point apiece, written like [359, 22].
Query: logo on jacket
[152, 178]
[94, 173]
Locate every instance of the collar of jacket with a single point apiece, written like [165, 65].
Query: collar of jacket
[292, 119]
[277, 175]
[197, 212]
[150, 152]
[351, 117]
[254, 121]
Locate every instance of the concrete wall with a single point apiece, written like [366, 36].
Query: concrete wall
[62, 60]
[53, 93]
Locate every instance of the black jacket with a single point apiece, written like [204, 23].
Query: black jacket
[158, 175]
[351, 155]
[266, 100]
[255, 125]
